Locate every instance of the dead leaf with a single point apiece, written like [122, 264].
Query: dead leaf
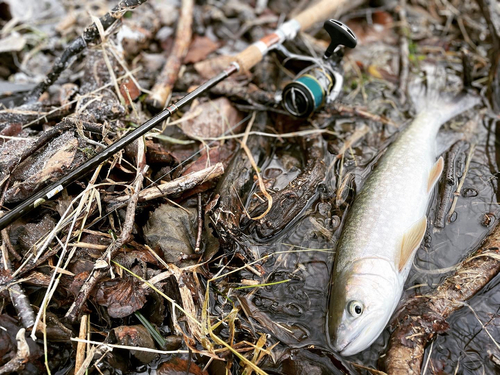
[199, 49]
[137, 336]
[180, 237]
[122, 296]
[129, 90]
[217, 117]
[178, 366]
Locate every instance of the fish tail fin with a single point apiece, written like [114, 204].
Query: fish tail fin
[430, 94]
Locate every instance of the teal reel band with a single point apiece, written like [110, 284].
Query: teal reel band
[307, 93]
[317, 92]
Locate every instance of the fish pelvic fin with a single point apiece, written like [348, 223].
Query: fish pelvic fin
[430, 93]
[411, 242]
[436, 171]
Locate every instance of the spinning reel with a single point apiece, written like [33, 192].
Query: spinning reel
[321, 82]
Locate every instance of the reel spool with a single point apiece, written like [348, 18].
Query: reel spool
[321, 82]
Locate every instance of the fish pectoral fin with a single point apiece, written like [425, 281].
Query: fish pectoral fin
[436, 171]
[411, 242]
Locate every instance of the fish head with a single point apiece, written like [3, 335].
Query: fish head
[363, 299]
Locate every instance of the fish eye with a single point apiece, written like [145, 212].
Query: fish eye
[355, 308]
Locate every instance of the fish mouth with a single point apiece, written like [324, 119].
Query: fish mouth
[341, 350]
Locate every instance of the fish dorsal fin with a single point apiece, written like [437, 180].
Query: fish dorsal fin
[436, 171]
[411, 241]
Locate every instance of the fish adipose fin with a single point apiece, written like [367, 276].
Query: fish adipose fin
[430, 93]
[411, 242]
[436, 171]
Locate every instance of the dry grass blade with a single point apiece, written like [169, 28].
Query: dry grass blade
[138, 348]
[80, 349]
[262, 186]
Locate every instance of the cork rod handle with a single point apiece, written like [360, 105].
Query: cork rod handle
[252, 55]
[317, 12]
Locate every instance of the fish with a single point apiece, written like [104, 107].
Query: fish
[388, 220]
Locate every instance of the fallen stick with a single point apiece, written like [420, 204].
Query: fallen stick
[178, 185]
[453, 168]
[423, 317]
[162, 90]
[344, 110]
[17, 295]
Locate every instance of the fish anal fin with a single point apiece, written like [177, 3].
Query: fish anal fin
[411, 242]
[436, 171]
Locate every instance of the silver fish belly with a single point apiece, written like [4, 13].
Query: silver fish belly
[382, 232]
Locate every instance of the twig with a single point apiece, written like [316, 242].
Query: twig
[422, 317]
[125, 237]
[467, 68]
[162, 90]
[450, 182]
[344, 110]
[462, 180]
[80, 349]
[90, 35]
[356, 136]
[5, 234]
[22, 355]
[200, 225]
[404, 30]
[19, 299]
[8, 244]
[178, 185]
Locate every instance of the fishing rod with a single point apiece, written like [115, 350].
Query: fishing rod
[308, 92]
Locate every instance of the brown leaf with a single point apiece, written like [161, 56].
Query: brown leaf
[178, 366]
[220, 154]
[122, 296]
[199, 49]
[157, 153]
[213, 120]
[77, 282]
[180, 237]
[12, 129]
[129, 90]
[136, 336]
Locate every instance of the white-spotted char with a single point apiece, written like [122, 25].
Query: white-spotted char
[386, 225]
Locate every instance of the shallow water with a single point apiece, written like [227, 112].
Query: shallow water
[298, 307]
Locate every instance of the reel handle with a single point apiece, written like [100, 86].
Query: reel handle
[340, 34]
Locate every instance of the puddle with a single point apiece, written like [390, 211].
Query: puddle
[296, 309]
